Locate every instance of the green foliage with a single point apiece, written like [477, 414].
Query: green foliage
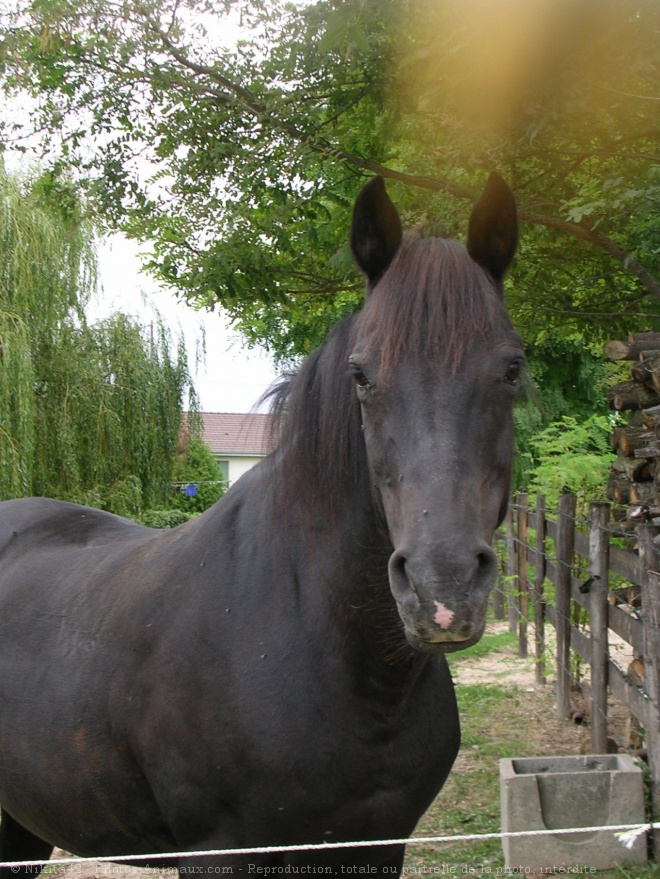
[574, 455]
[46, 277]
[257, 148]
[196, 465]
[88, 413]
[164, 518]
[564, 378]
[124, 497]
[569, 377]
[109, 409]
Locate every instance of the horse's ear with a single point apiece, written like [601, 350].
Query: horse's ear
[493, 228]
[375, 231]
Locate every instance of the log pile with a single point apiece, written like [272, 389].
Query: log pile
[634, 478]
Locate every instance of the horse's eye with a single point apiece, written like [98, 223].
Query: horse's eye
[358, 376]
[512, 374]
[360, 379]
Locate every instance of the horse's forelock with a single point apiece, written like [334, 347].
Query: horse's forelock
[432, 303]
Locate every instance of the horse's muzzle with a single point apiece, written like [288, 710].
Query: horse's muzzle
[443, 607]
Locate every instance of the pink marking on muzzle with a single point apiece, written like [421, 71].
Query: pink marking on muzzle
[443, 616]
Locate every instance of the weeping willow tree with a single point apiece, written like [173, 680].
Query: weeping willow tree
[87, 413]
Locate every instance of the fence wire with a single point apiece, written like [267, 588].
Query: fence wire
[627, 834]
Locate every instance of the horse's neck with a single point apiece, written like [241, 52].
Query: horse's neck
[343, 561]
[330, 563]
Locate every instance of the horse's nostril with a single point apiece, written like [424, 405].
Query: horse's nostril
[399, 579]
[486, 569]
[398, 565]
[486, 565]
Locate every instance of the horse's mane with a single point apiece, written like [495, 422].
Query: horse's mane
[434, 300]
[317, 423]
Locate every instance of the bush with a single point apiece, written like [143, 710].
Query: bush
[164, 518]
[124, 497]
[195, 465]
[573, 455]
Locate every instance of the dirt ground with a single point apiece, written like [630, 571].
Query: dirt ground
[506, 668]
[503, 668]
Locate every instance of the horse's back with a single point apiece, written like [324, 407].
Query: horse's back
[63, 562]
[36, 522]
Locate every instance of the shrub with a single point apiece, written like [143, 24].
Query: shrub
[573, 455]
[164, 518]
[195, 465]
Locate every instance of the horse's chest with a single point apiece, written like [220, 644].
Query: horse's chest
[311, 761]
[361, 796]
[357, 776]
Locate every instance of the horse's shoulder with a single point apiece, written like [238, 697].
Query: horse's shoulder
[43, 521]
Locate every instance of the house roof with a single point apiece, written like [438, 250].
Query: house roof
[230, 433]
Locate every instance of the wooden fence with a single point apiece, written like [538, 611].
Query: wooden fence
[579, 560]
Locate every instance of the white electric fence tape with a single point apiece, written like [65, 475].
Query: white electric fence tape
[627, 834]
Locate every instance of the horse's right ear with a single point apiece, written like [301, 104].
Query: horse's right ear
[375, 231]
[493, 228]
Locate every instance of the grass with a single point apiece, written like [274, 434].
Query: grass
[488, 643]
[497, 721]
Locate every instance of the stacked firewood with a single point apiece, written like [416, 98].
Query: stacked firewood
[634, 477]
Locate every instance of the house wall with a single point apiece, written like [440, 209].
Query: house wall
[237, 465]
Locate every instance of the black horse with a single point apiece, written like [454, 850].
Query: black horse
[271, 673]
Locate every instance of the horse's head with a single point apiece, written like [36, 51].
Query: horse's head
[436, 366]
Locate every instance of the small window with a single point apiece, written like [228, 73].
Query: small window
[224, 470]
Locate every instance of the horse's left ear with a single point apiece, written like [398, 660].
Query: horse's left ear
[493, 228]
[375, 231]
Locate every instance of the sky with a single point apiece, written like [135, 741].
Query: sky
[233, 378]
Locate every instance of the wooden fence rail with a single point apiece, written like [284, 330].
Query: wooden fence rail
[580, 561]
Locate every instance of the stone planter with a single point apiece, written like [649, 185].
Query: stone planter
[555, 793]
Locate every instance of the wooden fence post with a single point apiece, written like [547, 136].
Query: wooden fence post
[522, 582]
[599, 553]
[498, 598]
[539, 578]
[564, 553]
[510, 569]
[498, 589]
[650, 584]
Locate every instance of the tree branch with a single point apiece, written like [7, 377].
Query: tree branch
[604, 88]
[592, 236]
[247, 100]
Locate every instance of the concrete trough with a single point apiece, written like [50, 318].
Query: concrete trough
[556, 793]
